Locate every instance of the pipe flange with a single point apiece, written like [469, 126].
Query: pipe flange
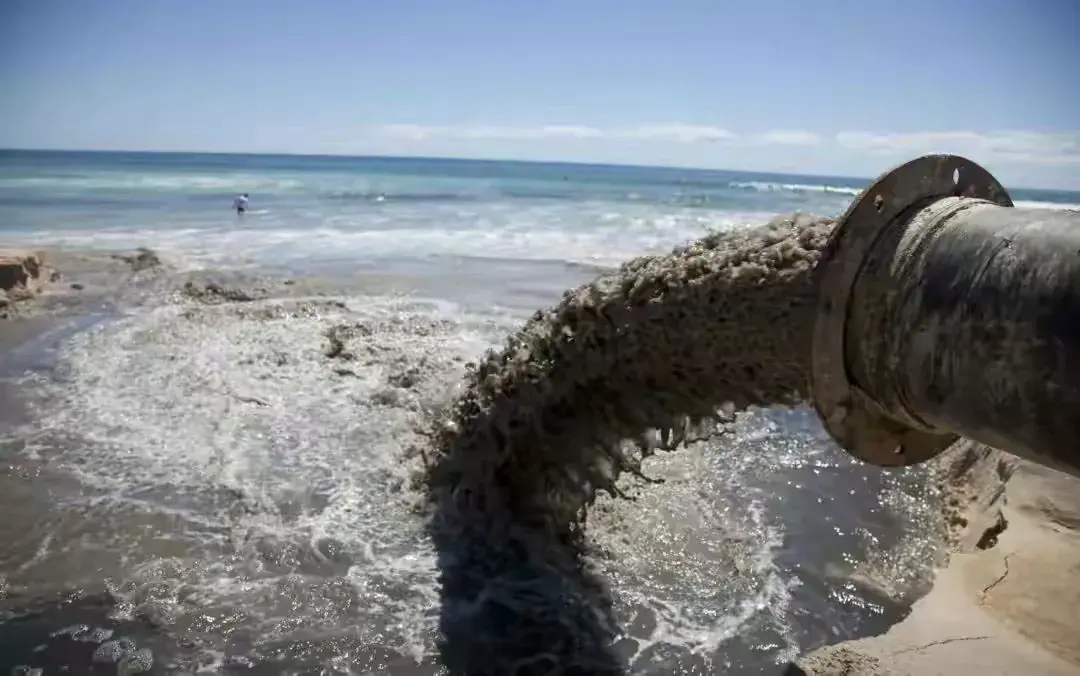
[850, 416]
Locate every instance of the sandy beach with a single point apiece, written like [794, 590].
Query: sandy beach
[1007, 603]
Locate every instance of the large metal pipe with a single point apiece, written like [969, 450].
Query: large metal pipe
[944, 311]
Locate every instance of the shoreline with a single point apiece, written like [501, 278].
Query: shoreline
[1015, 526]
[1004, 603]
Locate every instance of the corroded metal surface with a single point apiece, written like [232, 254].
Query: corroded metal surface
[851, 416]
[967, 320]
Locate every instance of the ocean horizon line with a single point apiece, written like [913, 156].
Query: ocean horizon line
[480, 160]
[437, 158]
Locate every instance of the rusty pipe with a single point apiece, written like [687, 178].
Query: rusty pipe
[945, 312]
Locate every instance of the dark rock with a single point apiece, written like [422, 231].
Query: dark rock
[336, 348]
[212, 292]
[22, 274]
[142, 259]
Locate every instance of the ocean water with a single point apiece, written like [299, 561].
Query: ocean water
[422, 214]
[231, 500]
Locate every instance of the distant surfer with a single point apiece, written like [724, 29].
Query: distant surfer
[241, 204]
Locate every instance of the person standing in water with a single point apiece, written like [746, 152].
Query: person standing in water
[241, 204]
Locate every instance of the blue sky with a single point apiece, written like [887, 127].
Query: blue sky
[829, 86]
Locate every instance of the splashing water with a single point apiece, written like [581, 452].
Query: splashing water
[239, 478]
[645, 355]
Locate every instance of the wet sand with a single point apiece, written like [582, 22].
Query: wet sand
[1007, 603]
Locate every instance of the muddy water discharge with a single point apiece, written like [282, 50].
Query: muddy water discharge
[630, 364]
[219, 468]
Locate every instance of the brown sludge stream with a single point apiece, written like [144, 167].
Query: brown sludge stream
[629, 364]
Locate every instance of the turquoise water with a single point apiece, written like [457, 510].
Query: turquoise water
[312, 209]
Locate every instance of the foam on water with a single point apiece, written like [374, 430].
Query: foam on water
[249, 485]
[693, 565]
[245, 473]
[307, 210]
[761, 186]
[1057, 206]
[278, 467]
[590, 234]
[140, 181]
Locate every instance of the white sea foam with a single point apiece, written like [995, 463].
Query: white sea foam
[154, 182]
[244, 425]
[585, 234]
[703, 519]
[283, 470]
[1055, 206]
[765, 186]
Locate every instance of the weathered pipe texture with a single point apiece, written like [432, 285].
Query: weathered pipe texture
[642, 355]
[966, 320]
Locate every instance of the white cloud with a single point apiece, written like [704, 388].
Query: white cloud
[547, 131]
[677, 133]
[671, 133]
[1005, 146]
[782, 137]
[408, 132]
